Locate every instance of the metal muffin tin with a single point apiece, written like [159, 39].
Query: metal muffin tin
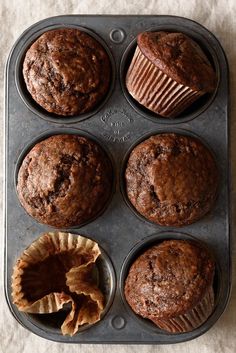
[117, 124]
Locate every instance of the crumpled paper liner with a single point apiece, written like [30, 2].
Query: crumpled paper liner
[62, 262]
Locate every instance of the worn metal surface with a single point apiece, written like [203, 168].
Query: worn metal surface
[117, 124]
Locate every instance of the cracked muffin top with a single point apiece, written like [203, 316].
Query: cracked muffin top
[171, 179]
[169, 279]
[66, 71]
[65, 180]
[179, 57]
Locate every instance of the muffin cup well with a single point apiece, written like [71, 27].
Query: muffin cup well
[33, 105]
[197, 317]
[69, 131]
[167, 88]
[136, 143]
[106, 281]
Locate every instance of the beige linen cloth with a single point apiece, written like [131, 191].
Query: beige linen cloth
[219, 16]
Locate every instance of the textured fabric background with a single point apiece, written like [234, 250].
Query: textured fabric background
[219, 16]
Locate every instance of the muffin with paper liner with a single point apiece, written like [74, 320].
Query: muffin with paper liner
[171, 284]
[169, 71]
[57, 269]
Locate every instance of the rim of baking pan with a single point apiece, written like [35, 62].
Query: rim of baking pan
[186, 22]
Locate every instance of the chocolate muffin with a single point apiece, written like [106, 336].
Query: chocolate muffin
[172, 284]
[168, 72]
[65, 180]
[171, 179]
[66, 71]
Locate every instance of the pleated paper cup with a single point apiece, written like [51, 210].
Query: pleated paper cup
[190, 320]
[55, 270]
[155, 90]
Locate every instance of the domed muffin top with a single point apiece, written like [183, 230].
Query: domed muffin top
[169, 279]
[65, 180]
[179, 57]
[171, 179]
[66, 71]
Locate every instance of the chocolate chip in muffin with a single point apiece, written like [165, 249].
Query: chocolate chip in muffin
[65, 180]
[171, 179]
[67, 72]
